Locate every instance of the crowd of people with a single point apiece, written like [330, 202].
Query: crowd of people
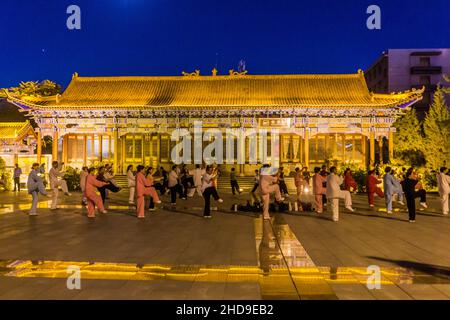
[327, 186]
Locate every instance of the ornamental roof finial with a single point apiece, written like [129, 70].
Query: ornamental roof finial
[75, 75]
[214, 72]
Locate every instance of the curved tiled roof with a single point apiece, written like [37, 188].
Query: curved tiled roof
[15, 131]
[346, 90]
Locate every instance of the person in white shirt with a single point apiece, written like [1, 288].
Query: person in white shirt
[55, 175]
[197, 175]
[444, 188]
[209, 189]
[334, 193]
[131, 178]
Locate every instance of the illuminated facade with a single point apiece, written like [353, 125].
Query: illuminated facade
[128, 120]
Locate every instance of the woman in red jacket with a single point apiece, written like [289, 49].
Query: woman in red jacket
[349, 182]
[372, 187]
[144, 187]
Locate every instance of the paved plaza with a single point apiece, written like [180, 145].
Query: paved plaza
[174, 253]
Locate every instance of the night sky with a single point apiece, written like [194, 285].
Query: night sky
[165, 37]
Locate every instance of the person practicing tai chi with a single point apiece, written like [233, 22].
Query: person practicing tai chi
[373, 188]
[55, 176]
[174, 185]
[410, 184]
[318, 189]
[144, 187]
[444, 188]
[131, 179]
[83, 176]
[209, 189]
[349, 183]
[16, 176]
[233, 182]
[334, 193]
[299, 182]
[93, 199]
[269, 184]
[35, 185]
[256, 181]
[197, 175]
[391, 187]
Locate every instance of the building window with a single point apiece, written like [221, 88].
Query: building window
[425, 80]
[425, 61]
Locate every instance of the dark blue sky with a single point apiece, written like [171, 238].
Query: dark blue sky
[164, 37]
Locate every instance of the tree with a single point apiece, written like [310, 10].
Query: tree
[436, 130]
[408, 139]
[44, 88]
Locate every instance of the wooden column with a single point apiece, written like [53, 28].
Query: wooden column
[364, 149]
[142, 149]
[65, 143]
[380, 144]
[55, 145]
[39, 146]
[158, 148]
[306, 146]
[343, 146]
[372, 147]
[391, 145]
[85, 151]
[100, 147]
[116, 151]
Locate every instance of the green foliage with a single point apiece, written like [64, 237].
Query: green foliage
[408, 140]
[72, 178]
[5, 175]
[437, 132]
[38, 89]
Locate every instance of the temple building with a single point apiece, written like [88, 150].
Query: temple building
[128, 120]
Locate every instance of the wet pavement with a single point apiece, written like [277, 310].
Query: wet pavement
[174, 253]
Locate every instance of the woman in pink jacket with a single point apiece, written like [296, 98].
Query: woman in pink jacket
[144, 187]
[93, 199]
[318, 189]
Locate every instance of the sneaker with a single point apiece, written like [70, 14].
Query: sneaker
[412, 221]
[33, 214]
[319, 211]
[401, 202]
[151, 209]
[282, 199]
[423, 204]
[56, 208]
[158, 202]
[207, 217]
[220, 200]
[173, 204]
[445, 213]
[335, 220]
[104, 211]
[183, 198]
[371, 205]
[68, 194]
[389, 212]
[266, 218]
[349, 209]
[131, 202]
[141, 217]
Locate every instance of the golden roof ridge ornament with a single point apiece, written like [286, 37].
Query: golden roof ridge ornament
[214, 72]
[196, 73]
[75, 75]
[237, 73]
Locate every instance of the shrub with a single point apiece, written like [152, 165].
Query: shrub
[72, 178]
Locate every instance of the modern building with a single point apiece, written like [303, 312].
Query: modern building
[129, 120]
[404, 69]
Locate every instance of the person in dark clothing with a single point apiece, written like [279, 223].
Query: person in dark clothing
[256, 185]
[281, 183]
[410, 184]
[109, 186]
[234, 182]
[165, 177]
[324, 173]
